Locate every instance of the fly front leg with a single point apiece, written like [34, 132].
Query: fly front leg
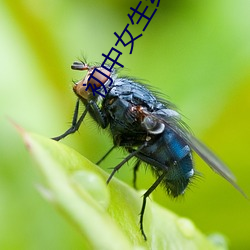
[94, 111]
[75, 124]
[97, 114]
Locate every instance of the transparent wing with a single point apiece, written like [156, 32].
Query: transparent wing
[208, 156]
[175, 124]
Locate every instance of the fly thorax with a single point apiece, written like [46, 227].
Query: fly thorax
[153, 125]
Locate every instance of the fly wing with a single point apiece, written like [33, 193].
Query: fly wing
[174, 123]
[207, 155]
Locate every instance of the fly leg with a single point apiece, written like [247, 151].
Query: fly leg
[135, 169]
[145, 196]
[93, 109]
[105, 155]
[97, 114]
[75, 124]
[116, 168]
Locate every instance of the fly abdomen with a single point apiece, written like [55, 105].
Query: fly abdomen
[178, 176]
[168, 154]
[180, 166]
[177, 147]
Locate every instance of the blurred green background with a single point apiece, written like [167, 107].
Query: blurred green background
[195, 52]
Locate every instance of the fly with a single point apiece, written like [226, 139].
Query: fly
[149, 128]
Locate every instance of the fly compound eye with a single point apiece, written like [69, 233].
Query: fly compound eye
[96, 78]
[99, 78]
[153, 126]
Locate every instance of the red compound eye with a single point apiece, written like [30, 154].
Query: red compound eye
[100, 73]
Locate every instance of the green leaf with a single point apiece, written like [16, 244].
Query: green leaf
[106, 215]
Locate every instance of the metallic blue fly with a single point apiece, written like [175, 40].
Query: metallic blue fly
[149, 128]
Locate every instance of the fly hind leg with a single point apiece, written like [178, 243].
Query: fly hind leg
[145, 196]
